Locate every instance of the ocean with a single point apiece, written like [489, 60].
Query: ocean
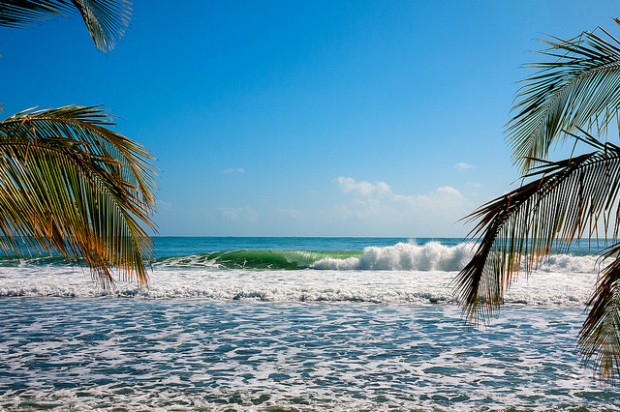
[294, 324]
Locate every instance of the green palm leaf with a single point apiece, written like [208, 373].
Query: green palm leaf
[599, 338]
[566, 200]
[106, 20]
[578, 89]
[69, 184]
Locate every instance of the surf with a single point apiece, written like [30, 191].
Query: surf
[402, 256]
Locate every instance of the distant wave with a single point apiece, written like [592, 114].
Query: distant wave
[255, 259]
[432, 256]
[23, 261]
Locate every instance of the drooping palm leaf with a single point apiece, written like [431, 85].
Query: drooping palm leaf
[578, 89]
[69, 184]
[599, 337]
[567, 199]
[106, 20]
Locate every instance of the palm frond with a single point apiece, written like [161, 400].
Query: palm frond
[599, 337]
[566, 200]
[69, 184]
[19, 13]
[106, 20]
[579, 88]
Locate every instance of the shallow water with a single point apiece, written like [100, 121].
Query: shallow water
[136, 354]
[293, 324]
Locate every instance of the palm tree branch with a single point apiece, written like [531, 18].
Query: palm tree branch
[520, 228]
[19, 13]
[106, 20]
[578, 90]
[58, 194]
[88, 126]
[72, 208]
[61, 203]
[599, 338]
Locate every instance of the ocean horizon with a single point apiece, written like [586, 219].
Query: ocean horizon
[294, 324]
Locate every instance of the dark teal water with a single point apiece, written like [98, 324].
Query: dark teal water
[182, 246]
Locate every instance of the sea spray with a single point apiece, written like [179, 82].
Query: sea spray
[405, 256]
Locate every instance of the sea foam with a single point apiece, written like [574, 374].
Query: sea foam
[77, 354]
[309, 285]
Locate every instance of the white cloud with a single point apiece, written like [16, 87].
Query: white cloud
[229, 171]
[437, 197]
[463, 166]
[246, 213]
[366, 209]
[292, 213]
[163, 205]
[363, 188]
[378, 208]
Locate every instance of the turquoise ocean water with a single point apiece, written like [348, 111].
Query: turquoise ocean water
[294, 324]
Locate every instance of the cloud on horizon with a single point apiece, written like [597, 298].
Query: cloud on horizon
[463, 166]
[363, 188]
[377, 206]
[246, 213]
[229, 171]
[291, 213]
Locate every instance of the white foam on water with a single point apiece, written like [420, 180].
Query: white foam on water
[544, 287]
[569, 263]
[225, 356]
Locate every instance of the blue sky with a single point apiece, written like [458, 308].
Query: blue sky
[313, 118]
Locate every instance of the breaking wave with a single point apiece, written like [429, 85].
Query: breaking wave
[400, 273]
[432, 256]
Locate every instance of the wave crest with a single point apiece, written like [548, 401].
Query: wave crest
[405, 256]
